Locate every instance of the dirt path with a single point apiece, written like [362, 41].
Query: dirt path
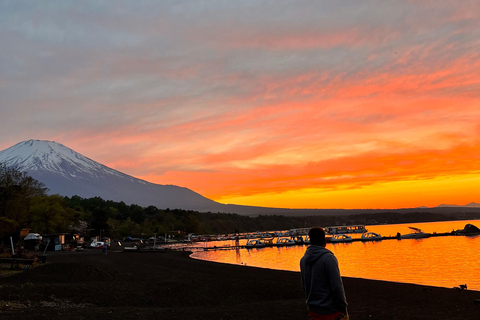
[169, 285]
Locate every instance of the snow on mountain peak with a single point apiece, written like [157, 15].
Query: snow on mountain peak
[68, 173]
[33, 155]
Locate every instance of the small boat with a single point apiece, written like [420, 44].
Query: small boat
[285, 242]
[306, 240]
[268, 242]
[267, 235]
[298, 240]
[416, 234]
[360, 228]
[96, 244]
[255, 244]
[336, 238]
[371, 236]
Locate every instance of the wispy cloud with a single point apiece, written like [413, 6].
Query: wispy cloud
[240, 99]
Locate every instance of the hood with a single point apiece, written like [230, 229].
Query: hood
[313, 253]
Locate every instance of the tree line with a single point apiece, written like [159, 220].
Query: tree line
[24, 203]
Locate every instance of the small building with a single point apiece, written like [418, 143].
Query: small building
[59, 241]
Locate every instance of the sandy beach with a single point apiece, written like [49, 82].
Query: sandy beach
[170, 285]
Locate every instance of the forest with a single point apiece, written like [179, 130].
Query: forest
[25, 203]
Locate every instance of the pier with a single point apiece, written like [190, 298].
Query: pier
[297, 237]
[188, 247]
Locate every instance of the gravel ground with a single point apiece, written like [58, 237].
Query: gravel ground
[170, 285]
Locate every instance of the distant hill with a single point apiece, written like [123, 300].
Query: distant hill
[470, 205]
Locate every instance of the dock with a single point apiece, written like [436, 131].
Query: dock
[260, 241]
[267, 245]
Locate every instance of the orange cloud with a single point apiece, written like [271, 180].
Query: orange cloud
[326, 105]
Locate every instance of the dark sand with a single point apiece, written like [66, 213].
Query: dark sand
[170, 285]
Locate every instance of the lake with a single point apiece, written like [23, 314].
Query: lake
[444, 261]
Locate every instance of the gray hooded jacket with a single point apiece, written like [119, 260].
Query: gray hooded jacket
[322, 282]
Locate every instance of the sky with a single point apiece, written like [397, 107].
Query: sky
[292, 104]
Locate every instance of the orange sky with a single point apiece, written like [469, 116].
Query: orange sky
[300, 105]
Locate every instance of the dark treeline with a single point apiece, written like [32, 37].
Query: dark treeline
[118, 220]
[24, 203]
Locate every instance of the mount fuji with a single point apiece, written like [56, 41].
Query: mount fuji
[68, 173]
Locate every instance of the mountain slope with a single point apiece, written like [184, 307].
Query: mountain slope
[69, 173]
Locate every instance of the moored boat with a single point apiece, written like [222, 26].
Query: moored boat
[267, 235]
[268, 242]
[346, 229]
[416, 234]
[299, 239]
[336, 238]
[371, 236]
[285, 242]
[255, 244]
[306, 240]
[96, 244]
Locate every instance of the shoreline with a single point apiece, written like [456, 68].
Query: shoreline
[171, 285]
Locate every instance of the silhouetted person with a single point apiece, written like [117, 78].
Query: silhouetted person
[321, 280]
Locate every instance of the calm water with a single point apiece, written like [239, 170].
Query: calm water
[437, 261]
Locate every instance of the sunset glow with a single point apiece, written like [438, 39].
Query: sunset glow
[295, 104]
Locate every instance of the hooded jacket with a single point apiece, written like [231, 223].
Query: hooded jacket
[322, 282]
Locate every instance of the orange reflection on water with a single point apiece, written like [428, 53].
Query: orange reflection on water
[445, 261]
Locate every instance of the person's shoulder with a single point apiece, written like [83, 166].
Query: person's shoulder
[328, 255]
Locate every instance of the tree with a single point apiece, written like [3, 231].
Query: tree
[129, 228]
[49, 214]
[17, 189]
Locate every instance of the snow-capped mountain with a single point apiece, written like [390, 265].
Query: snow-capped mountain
[69, 173]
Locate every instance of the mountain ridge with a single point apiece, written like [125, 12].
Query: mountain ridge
[69, 173]
[468, 205]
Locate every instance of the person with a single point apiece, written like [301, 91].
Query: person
[321, 280]
[105, 246]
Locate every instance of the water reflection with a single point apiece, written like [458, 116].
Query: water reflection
[439, 261]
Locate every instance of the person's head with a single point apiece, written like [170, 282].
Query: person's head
[317, 236]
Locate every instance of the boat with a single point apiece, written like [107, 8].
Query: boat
[268, 242]
[360, 228]
[255, 244]
[416, 234]
[299, 231]
[336, 238]
[267, 235]
[306, 240]
[298, 240]
[285, 242]
[96, 244]
[371, 236]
